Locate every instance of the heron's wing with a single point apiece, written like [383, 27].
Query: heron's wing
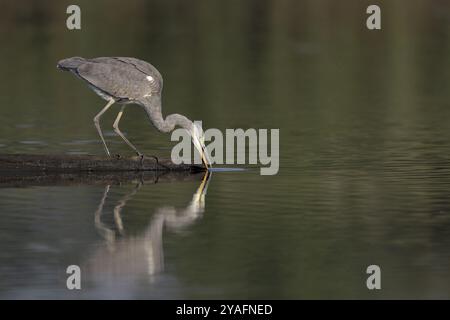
[140, 65]
[117, 79]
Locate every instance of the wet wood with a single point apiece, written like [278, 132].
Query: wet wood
[86, 163]
[25, 169]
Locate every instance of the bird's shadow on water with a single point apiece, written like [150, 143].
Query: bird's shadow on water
[126, 257]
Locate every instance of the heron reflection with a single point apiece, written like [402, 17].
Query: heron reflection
[140, 255]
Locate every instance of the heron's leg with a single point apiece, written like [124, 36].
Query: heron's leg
[117, 130]
[97, 124]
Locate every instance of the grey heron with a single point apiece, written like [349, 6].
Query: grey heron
[126, 80]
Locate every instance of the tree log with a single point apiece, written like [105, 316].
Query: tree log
[25, 169]
[87, 163]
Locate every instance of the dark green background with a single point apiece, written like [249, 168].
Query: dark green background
[364, 147]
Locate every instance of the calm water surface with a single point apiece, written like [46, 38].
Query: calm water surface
[364, 153]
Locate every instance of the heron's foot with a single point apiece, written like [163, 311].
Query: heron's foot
[157, 164]
[142, 157]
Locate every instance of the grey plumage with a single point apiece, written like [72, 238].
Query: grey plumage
[124, 79]
[129, 80]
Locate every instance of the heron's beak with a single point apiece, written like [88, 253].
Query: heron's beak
[198, 140]
[205, 157]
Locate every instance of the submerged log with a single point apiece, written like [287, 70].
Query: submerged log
[24, 169]
[87, 163]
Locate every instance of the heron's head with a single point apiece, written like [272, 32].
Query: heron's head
[198, 139]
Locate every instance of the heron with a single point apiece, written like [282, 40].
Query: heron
[125, 80]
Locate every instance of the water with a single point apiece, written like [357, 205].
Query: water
[364, 152]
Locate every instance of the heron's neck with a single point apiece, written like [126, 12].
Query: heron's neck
[152, 106]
